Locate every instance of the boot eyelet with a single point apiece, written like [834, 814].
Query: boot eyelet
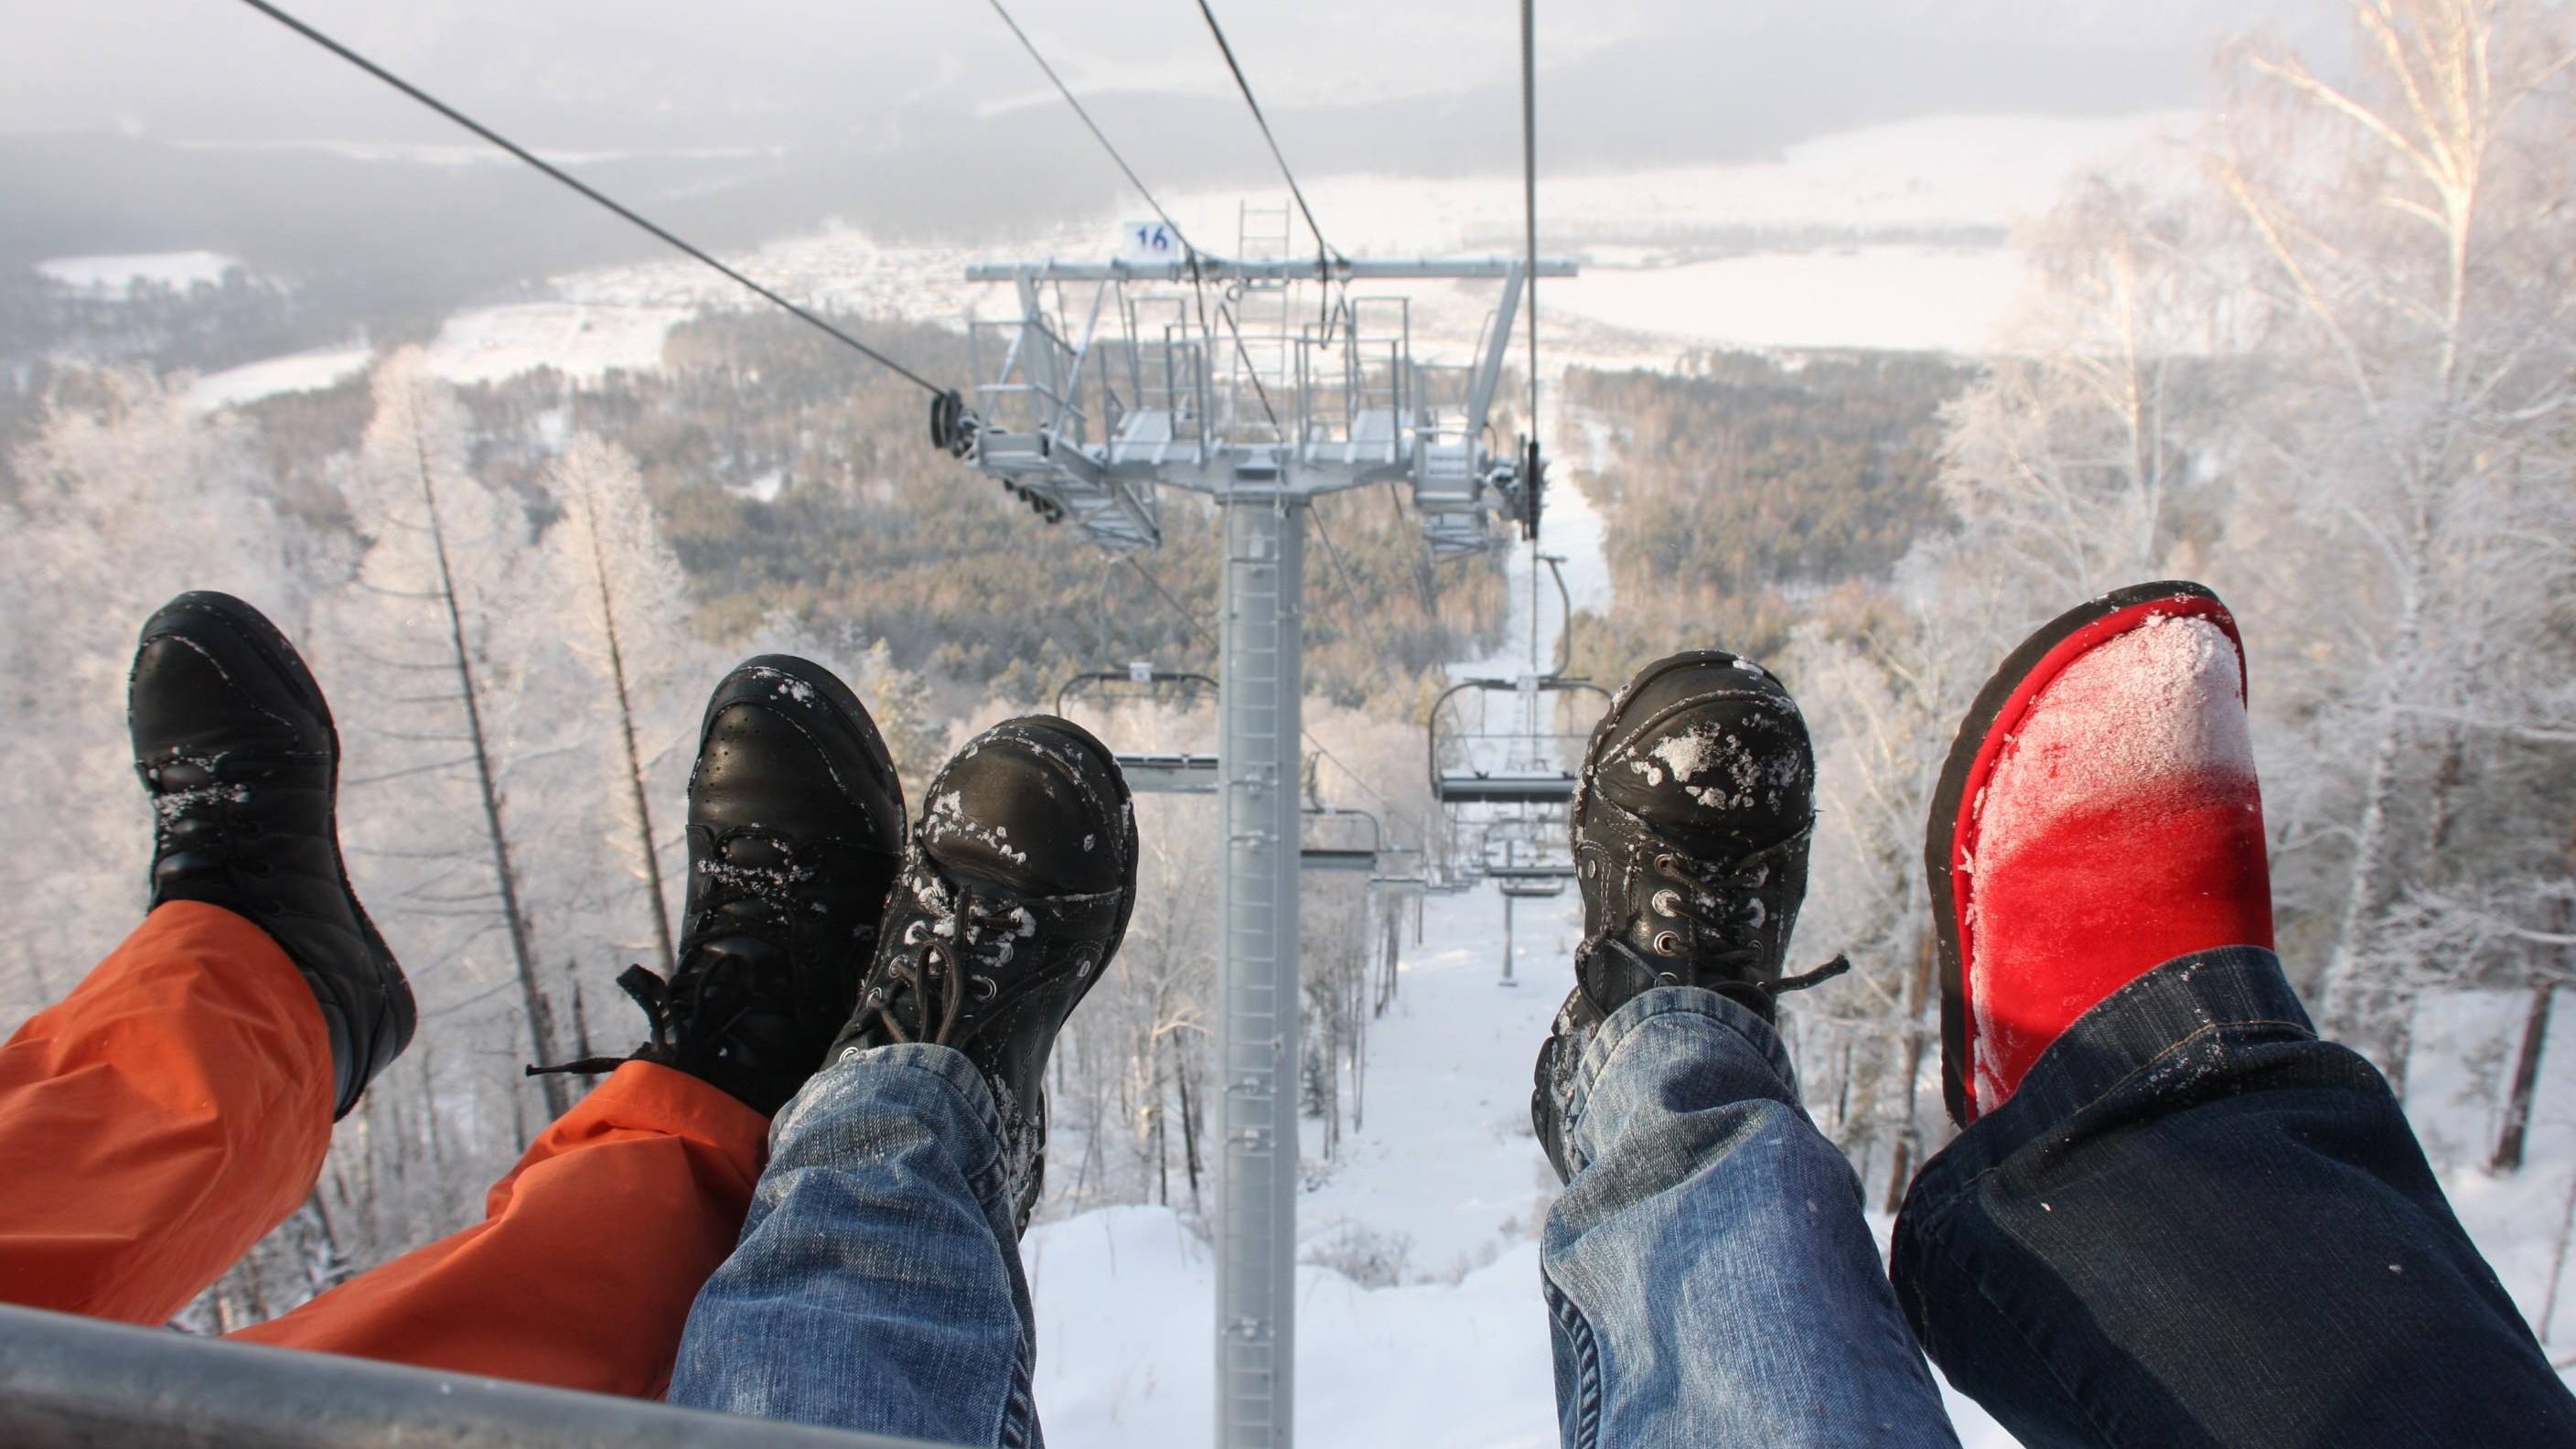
[986, 988]
[1667, 978]
[1591, 869]
[1665, 902]
[1756, 912]
[1668, 943]
[912, 933]
[1083, 963]
[1664, 863]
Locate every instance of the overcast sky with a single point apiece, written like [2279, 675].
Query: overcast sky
[1348, 80]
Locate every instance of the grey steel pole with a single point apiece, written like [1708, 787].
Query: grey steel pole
[1257, 970]
[77, 1383]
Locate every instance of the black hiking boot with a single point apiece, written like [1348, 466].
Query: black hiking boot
[235, 743]
[1016, 890]
[1691, 824]
[795, 832]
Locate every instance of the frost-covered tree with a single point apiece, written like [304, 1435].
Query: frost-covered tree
[626, 617]
[438, 630]
[2404, 469]
[2067, 458]
[127, 495]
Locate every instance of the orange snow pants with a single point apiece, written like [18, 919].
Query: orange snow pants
[176, 1106]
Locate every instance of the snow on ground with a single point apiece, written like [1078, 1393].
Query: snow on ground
[118, 275]
[1908, 298]
[297, 372]
[584, 341]
[1932, 173]
[1444, 1158]
[1456, 1356]
[1885, 237]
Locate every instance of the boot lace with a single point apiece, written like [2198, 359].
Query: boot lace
[1729, 908]
[710, 991]
[922, 990]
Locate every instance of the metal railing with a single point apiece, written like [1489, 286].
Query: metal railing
[78, 1383]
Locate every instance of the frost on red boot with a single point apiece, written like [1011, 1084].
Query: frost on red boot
[2098, 817]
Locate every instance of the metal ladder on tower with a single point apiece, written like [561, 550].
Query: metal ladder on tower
[1261, 305]
[1257, 1165]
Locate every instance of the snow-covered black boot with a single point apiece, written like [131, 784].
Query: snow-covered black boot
[1691, 823]
[795, 832]
[235, 743]
[1016, 890]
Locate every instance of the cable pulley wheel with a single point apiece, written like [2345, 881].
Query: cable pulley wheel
[947, 415]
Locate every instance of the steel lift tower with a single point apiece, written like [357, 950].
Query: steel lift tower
[1260, 385]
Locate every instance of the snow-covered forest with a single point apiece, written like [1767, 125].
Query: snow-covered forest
[2317, 349]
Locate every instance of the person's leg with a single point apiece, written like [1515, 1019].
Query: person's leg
[2195, 1224]
[177, 1105]
[2175, 1217]
[582, 1271]
[878, 1283]
[160, 1119]
[1708, 1275]
[594, 1245]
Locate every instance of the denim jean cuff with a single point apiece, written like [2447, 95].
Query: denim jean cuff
[900, 1075]
[2163, 1020]
[1754, 1041]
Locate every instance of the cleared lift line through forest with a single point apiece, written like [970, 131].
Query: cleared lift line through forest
[1266, 489]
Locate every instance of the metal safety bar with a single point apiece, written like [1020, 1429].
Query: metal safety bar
[78, 1383]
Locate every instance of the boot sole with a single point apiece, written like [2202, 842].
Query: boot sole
[1999, 707]
[274, 649]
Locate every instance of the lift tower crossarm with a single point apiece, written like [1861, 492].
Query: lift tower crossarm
[1213, 268]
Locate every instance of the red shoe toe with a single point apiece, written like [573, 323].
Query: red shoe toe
[2098, 817]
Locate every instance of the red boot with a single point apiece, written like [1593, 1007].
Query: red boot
[2098, 817]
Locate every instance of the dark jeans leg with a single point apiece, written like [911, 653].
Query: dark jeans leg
[2197, 1224]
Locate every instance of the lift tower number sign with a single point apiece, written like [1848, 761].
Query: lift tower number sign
[1148, 241]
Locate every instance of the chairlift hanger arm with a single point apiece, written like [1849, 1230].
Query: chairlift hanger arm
[1074, 685]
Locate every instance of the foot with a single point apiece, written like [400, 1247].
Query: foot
[1691, 825]
[2098, 817]
[795, 833]
[235, 744]
[1015, 893]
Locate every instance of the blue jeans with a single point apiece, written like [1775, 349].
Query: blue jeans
[2194, 1224]
[1709, 1280]
[877, 1285]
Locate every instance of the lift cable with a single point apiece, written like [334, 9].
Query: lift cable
[1356, 777]
[1190, 253]
[1097, 134]
[1398, 811]
[1529, 188]
[1533, 471]
[594, 194]
[1327, 248]
[1350, 594]
[1180, 611]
